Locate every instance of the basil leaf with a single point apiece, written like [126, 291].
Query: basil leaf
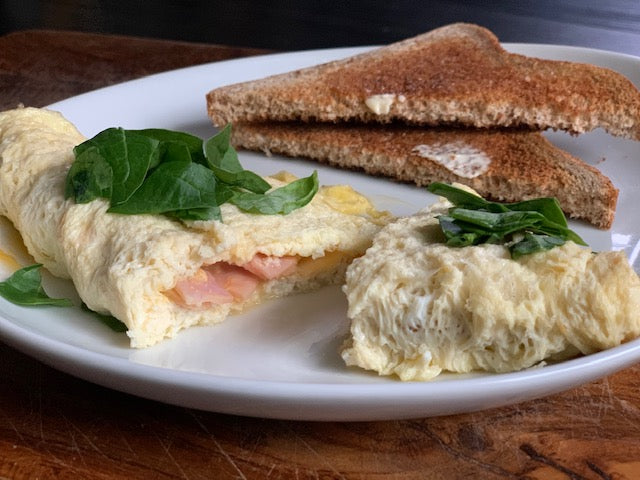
[172, 187]
[24, 287]
[112, 322]
[282, 200]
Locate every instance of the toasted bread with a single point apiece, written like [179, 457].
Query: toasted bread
[457, 74]
[503, 165]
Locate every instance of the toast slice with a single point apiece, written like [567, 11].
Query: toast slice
[457, 74]
[502, 165]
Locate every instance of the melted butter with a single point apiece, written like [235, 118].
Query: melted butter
[457, 157]
[380, 104]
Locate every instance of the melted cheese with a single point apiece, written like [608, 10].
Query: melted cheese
[418, 307]
[344, 199]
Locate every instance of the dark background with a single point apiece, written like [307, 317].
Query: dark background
[298, 25]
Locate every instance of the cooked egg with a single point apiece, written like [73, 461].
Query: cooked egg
[129, 266]
[418, 307]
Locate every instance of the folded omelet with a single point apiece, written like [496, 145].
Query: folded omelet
[418, 307]
[159, 275]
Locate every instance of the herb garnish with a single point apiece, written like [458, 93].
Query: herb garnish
[526, 227]
[158, 171]
[110, 321]
[24, 287]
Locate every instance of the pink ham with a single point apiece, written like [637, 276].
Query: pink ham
[222, 282]
[200, 289]
[234, 279]
[268, 267]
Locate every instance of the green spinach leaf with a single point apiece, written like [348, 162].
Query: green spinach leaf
[172, 187]
[89, 177]
[473, 220]
[112, 322]
[282, 200]
[24, 287]
[129, 154]
[156, 171]
[223, 160]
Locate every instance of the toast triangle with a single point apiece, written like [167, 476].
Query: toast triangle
[456, 74]
[501, 165]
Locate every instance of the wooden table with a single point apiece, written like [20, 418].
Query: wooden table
[53, 425]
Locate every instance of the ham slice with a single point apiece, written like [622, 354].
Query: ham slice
[268, 267]
[199, 289]
[239, 282]
[222, 282]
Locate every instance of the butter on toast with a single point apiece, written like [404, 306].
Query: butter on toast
[456, 74]
[502, 165]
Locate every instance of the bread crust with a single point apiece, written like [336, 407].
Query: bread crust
[521, 164]
[457, 74]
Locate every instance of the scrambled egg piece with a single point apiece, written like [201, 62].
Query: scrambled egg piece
[419, 307]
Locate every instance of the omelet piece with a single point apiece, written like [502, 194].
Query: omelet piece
[154, 273]
[418, 307]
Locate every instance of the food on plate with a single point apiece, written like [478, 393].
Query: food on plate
[456, 74]
[179, 264]
[501, 165]
[419, 306]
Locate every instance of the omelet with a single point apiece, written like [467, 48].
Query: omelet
[160, 275]
[419, 308]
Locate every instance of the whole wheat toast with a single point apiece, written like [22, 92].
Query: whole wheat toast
[457, 74]
[502, 165]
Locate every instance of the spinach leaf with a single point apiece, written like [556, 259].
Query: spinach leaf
[112, 322]
[156, 171]
[473, 221]
[172, 138]
[172, 187]
[89, 177]
[24, 287]
[461, 198]
[129, 154]
[534, 243]
[223, 160]
[549, 207]
[282, 200]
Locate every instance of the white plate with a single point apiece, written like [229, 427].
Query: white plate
[281, 360]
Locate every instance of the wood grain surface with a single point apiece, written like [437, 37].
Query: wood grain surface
[53, 425]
